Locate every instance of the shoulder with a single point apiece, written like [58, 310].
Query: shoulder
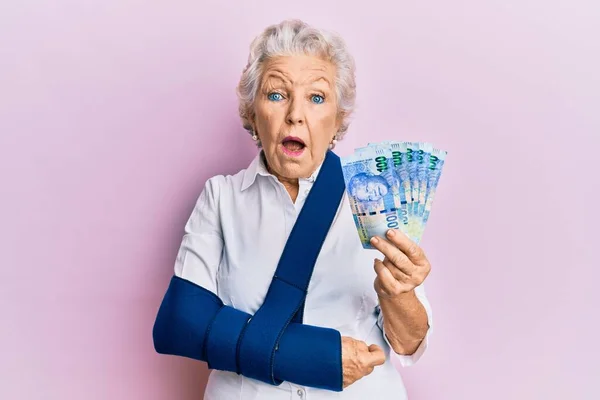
[224, 190]
[216, 195]
[219, 187]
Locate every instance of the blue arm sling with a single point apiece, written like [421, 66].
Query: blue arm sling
[273, 345]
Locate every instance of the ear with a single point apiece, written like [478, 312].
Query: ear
[251, 121]
[252, 118]
[338, 121]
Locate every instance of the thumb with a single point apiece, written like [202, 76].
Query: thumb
[377, 355]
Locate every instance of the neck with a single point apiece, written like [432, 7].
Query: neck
[290, 184]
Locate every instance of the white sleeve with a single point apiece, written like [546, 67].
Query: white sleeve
[408, 360]
[201, 248]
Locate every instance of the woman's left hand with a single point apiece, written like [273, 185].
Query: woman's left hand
[404, 267]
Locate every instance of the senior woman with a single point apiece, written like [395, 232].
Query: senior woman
[272, 287]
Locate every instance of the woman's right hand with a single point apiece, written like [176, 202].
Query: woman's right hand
[358, 359]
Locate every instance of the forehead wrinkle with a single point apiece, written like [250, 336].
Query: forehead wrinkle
[311, 79]
[315, 73]
[276, 73]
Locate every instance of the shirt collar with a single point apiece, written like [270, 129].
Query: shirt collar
[258, 167]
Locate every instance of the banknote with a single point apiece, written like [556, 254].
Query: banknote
[399, 159]
[372, 188]
[436, 165]
[423, 155]
[398, 153]
[384, 160]
[411, 165]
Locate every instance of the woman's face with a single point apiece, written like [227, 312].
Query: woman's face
[295, 114]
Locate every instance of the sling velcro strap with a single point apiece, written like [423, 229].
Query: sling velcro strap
[223, 336]
[287, 292]
[258, 343]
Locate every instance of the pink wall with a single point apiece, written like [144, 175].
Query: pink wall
[114, 113]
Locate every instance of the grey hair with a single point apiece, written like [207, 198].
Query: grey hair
[292, 37]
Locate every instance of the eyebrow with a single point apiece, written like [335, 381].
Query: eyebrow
[321, 78]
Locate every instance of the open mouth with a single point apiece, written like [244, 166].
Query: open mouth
[293, 145]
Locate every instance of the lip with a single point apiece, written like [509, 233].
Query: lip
[295, 138]
[291, 153]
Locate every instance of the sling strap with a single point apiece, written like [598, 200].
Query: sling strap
[288, 288]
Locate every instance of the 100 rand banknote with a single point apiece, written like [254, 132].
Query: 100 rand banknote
[373, 191]
[436, 166]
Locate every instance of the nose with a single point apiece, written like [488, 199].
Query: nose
[295, 114]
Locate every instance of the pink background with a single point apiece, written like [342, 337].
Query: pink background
[113, 114]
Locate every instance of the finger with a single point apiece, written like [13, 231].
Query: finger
[403, 272]
[387, 282]
[414, 253]
[373, 347]
[391, 252]
[377, 355]
[392, 271]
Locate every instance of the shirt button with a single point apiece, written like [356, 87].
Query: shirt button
[306, 192]
[300, 393]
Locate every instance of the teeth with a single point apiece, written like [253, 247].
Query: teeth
[293, 145]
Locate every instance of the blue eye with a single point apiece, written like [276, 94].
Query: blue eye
[275, 96]
[317, 99]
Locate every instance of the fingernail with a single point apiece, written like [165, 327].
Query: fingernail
[391, 232]
[374, 240]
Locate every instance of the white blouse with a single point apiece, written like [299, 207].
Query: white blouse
[232, 244]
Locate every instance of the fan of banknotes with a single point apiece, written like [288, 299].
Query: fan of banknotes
[392, 185]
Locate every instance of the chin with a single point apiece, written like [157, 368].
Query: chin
[294, 165]
[295, 170]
